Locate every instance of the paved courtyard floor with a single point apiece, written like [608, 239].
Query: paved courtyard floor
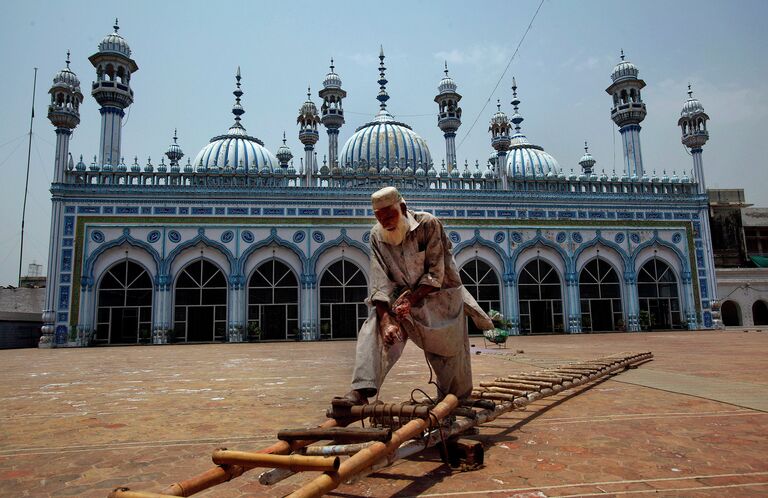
[693, 422]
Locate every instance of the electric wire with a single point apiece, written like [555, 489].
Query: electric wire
[488, 101]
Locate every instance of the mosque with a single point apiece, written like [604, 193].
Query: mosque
[237, 244]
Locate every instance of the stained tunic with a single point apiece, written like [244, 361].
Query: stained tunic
[437, 324]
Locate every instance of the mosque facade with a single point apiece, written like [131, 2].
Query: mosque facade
[238, 244]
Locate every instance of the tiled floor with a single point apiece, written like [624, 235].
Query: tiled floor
[79, 422]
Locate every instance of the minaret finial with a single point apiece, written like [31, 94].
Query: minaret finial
[690, 92]
[116, 26]
[586, 147]
[175, 135]
[309, 92]
[446, 68]
[382, 97]
[237, 109]
[689, 86]
[332, 66]
[498, 104]
[622, 54]
[516, 117]
[283, 137]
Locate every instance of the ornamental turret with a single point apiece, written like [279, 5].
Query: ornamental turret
[332, 111]
[64, 114]
[449, 116]
[587, 162]
[112, 90]
[308, 121]
[284, 154]
[628, 112]
[174, 152]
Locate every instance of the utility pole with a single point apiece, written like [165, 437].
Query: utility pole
[26, 183]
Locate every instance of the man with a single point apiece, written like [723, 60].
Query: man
[417, 293]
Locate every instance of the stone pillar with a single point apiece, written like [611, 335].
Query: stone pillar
[53, 279]
[511, 304]
[501, 168]
[111, 123]
[310, 311]
[62, 154]
[689, 304]
[633, 157]
[631, 301]
[573, 302]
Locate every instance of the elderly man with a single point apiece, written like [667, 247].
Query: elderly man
[417, 294]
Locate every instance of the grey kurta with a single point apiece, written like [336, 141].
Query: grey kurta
[437, 325]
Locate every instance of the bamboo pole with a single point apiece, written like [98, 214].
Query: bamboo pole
[127, 493]
[368, 456]
[220, 474]
[295, 463]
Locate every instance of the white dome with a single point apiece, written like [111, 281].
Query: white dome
[624, 70]
[526, 159]
[234, 148]
[113, 42]
[384, 141]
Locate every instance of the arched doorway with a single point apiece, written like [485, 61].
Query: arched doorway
[124, 305]
[273, 301]
[343, 289]
[541, 301]
[600, 294]
[200, 311]
[760, 313]
[731, 313]
[657, 289]
[482, 282]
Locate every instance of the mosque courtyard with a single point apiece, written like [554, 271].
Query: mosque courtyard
[692, 422]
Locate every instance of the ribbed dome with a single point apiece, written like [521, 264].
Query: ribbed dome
[228, 151]
[284, 153]
[236, 150]
[384, 141]
[113, 42]
[332, 80]
[526, 159]
[692, 106]
[447, 85]
[66, 77]
[624, 70]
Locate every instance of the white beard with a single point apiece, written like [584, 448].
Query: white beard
[397, 236]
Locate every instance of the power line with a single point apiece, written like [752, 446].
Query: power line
[520, 43]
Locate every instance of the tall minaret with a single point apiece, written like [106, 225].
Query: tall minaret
[112, 90]
[500, 141]
[308, 121]
[628, 112]
[64, 114]
[693, 123]
[449, 116]
[332, 112]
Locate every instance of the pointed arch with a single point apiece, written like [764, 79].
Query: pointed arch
[126, 238]
[278, 241]
[200, 238]
[477, 239]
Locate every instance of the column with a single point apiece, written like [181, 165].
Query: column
[573, 302]
[62, 153]
[333, 146]
[501, 167]
[631, 301]
[111, 123]
[633, 157]
[309, 311]
[511, 304]
[689, 305]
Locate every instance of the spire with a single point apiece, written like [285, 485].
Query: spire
[382, 97]
[622, 54]
[446, 68]
[237, 109]
[332, 66]
[690, 92]
[116, 26]
[689, 86]
[516, 117]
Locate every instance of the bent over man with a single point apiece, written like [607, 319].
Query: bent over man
[417, 294]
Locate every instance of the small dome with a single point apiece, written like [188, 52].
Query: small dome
[284, 153]
[80, 164]
[692, 106]
[524, 158]
[624, 70]
[308, 108]
[174, 152]
[447, 85]
[66, 77]
[385, 140]
[114, 43]
[332, 80]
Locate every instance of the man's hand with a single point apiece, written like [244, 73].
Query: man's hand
[402, 306]
[390, 331]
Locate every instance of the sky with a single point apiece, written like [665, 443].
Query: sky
[188, 52]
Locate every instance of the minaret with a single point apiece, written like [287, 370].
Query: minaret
[382, 97]
[587, 162]
[332, 112]
[112, 90]
[308, 121]
[693, 123]
[64, 114]
[628, 112]
[500, 140]
[449, 116]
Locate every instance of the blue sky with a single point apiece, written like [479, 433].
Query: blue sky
[188, 52]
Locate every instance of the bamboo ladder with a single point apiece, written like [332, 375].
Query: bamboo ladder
[413, 428]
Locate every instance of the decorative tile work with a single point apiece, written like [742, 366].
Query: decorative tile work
[69, 209]
[127, 210]
[237, 211]
[183, 210]
[165, 210]
[343, 212]
[69, 225]
[219, 210]
[64, 297]
[88, 209]
[202, 210]
[107, 209]
[66, 260]
[146, 210]
[273, 211]
[67, 242]
[308, 212]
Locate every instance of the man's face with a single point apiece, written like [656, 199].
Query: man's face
[389, 216]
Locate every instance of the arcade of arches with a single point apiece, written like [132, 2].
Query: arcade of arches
[200, 299]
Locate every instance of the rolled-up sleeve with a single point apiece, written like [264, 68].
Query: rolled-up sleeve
[434, 257]
[382, 288]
